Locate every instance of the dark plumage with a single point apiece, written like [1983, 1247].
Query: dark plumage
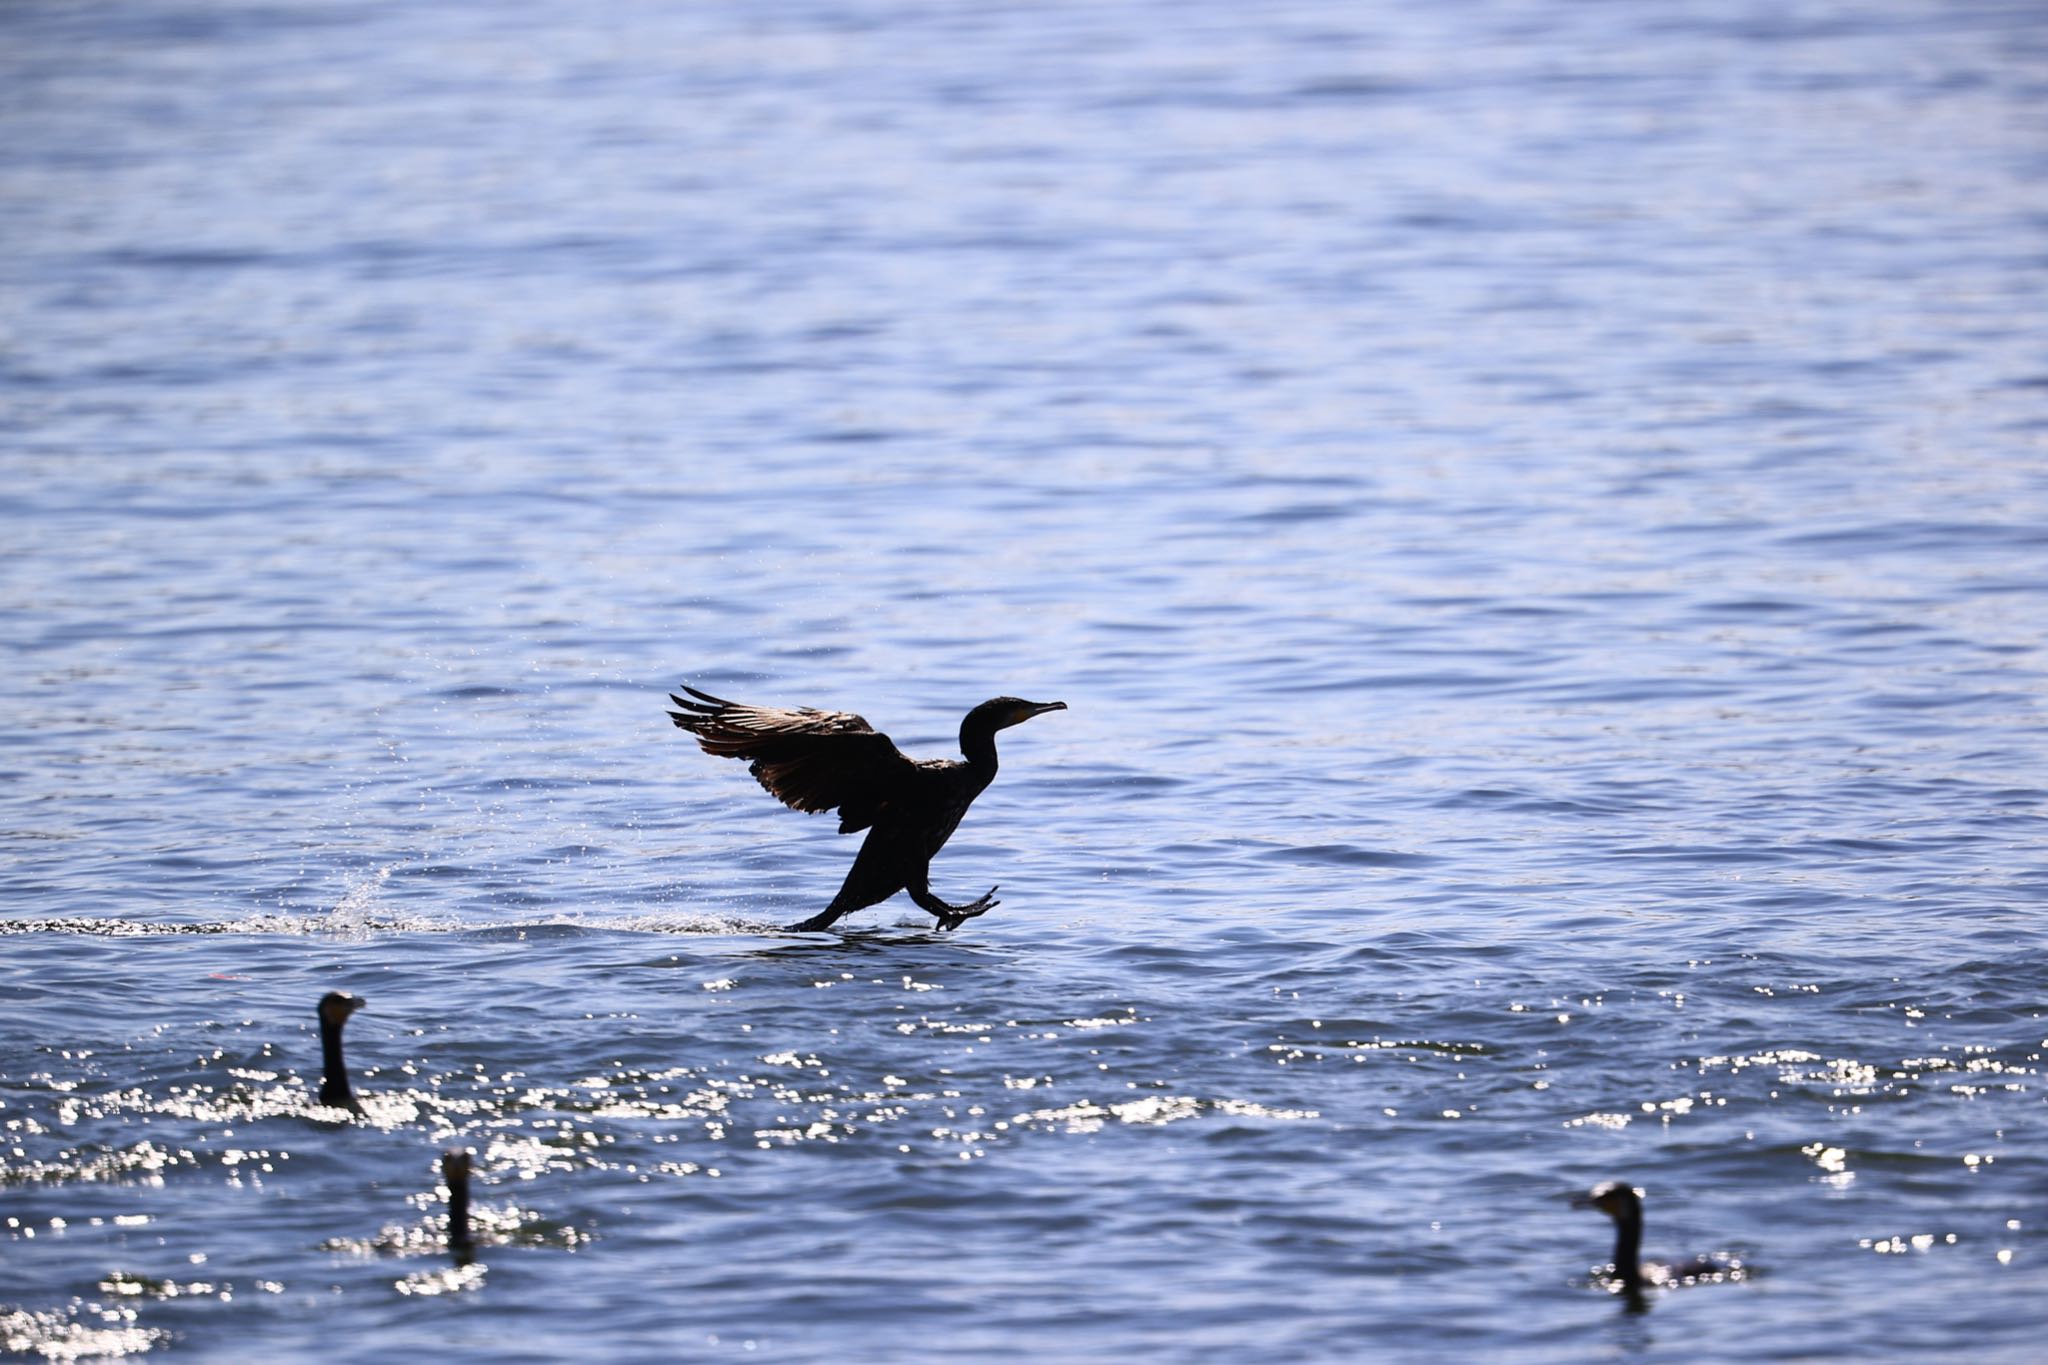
[830, 760]
[1623, 1203]
[335, 1008]
[455, 1175]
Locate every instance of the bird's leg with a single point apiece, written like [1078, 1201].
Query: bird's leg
[823, 920]
[949, 916]
[856, 892]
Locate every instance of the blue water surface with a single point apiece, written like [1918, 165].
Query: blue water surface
[1538, 511]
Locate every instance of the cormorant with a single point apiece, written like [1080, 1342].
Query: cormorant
[1623, 1203]
[455, 1175]
[830, 760]
[335, 1008]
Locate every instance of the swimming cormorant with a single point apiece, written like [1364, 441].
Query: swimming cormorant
[830, 760]
[455, 1175]
[1623, 1203]
[335, 1008]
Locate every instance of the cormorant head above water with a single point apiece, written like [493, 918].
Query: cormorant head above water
[335, 1008]
[833, 760]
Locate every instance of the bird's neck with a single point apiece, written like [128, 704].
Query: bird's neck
[334, 1079]
[458, 1213]
[1628, 1252]
[979, 747]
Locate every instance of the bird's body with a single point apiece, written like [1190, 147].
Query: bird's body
[335, 1008]
[1631, 1274]
[832, 760]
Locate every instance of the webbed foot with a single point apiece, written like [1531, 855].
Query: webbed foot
[957, 915]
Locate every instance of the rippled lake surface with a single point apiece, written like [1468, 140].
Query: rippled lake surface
[1539, 513]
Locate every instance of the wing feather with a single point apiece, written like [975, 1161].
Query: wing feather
[807, 759]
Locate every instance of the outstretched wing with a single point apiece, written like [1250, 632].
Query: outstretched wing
[808, 760]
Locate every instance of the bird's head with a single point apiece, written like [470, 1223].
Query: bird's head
[1617, 1199]
[337, 1006]
[1000, 713]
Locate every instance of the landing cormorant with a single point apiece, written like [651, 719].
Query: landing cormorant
[1623, 1203]
[335, 1008]
[830, 760]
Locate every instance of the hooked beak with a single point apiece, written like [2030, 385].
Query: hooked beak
[1017, 711]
